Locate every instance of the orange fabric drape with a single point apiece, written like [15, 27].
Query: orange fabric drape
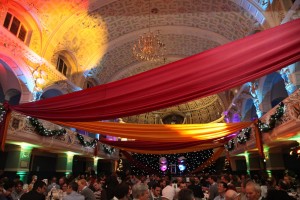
[160, 132]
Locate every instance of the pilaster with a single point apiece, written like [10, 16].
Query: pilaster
[18, 160]
[64, 162]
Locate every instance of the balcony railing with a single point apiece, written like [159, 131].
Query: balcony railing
[286, 128]
[20, 130]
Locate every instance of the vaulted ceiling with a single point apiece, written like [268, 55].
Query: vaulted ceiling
[100, 34]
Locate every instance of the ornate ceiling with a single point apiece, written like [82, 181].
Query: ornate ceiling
[99, 35]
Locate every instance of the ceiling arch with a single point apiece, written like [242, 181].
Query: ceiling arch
[100, 34]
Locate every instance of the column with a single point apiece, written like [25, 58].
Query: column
[274, 160]
[255, 162]
[90, 162]
[188, 117]
[96, 164]
[64, 162]
[238, 163]
[18, 160]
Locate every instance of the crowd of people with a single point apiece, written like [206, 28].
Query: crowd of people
[154, 187]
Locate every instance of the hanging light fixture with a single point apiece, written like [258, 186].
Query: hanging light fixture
[149, 46]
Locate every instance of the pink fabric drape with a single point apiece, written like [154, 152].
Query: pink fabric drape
[194, 77]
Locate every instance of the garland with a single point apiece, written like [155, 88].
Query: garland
[41, 130]
[244, 135]
[263, 127]
[84, 143]
[230, 145]
[2, 112]
[108, 149]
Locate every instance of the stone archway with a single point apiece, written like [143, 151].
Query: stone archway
[273, 88]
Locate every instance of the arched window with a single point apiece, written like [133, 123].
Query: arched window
[15, 26]
[89, 84]
[173, 119]
[61, 66]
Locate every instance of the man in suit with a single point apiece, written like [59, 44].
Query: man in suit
[196, 187]
[213, 187]
[140, 191]
[155, 192]
[85, 191]
[37, 192]
[253, 191]
[72, 193]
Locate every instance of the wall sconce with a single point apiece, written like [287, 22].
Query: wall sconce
[39, 78]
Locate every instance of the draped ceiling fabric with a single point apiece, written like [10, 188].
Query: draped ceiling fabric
[203, 74]
[146, 147]
[160, 132]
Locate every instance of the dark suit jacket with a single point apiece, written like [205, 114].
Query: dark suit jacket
[33, 195]
[88, 194]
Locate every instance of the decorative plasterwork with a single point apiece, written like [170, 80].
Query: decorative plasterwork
[203, 110]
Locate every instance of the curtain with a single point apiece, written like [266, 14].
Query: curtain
[210, 161]
[197, 76]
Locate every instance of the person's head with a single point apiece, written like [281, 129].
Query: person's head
[8, 187]
[163, 184]
[274, 194]
[225, 178]
[73, 186]
[140, 191]
[19, 186]
[287, 179]
[121, 191]
[211, 179]
[179, 180]
[222, 187]
[39, 186]
[196, 180]
[17, 178]
[156, 190]
[97, 185]
[54, 179]
[186, 194]
[34, 178]
[231, 195]
[81, 184]
[253, 191]
[182, 185]
[64, 187]
[61, 181]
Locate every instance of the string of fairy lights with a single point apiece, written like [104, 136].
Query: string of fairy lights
[193, 160]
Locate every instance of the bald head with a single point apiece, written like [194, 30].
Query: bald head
[253, 191]
[231, 195]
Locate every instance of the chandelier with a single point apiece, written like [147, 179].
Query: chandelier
[149, 47]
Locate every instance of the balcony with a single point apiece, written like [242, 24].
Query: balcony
[21, 131]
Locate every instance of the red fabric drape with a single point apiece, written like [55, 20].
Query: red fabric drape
[258, 139]
[194, 77]
[153, 147]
